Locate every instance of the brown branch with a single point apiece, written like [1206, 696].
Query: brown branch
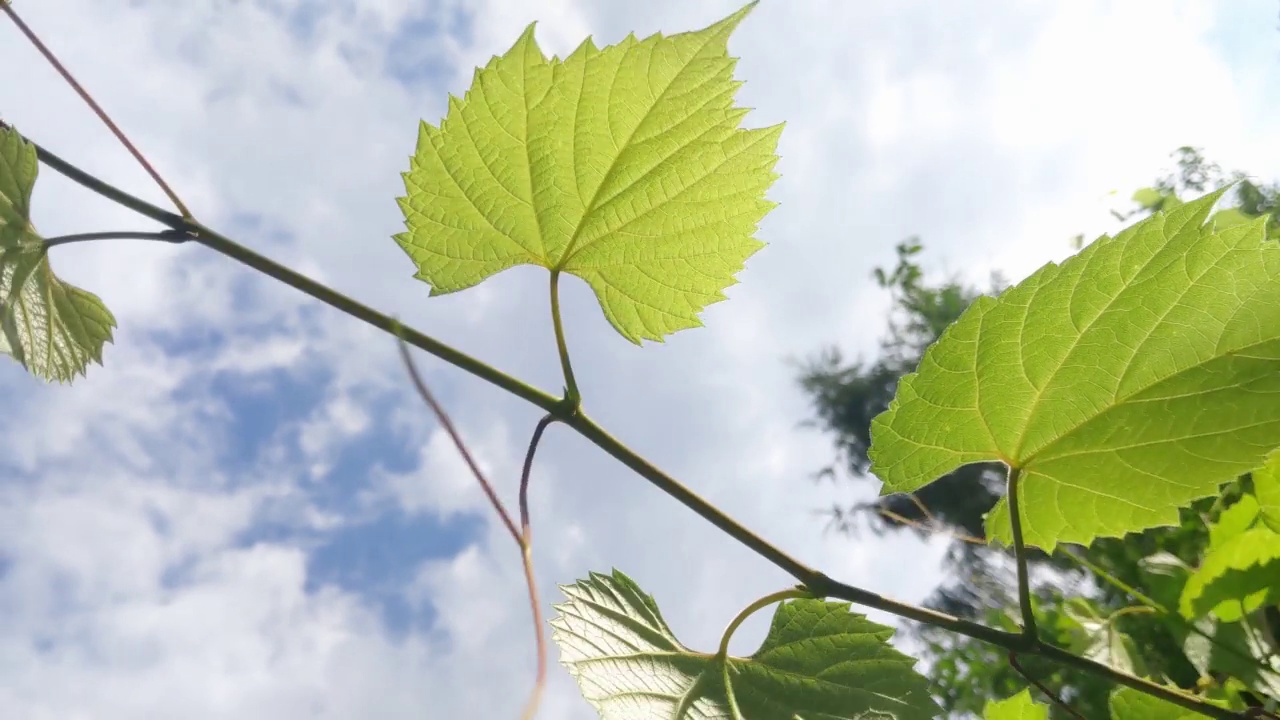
[457, 439]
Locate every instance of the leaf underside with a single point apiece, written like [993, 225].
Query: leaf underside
[54, 329]
[1126, 382]
[818, 662]
[624, 166]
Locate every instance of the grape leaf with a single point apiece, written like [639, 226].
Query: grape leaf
[52, 328]
[1266, 486]
[1236, 578]
[1129, 704]
[818, 662]
[1018, 707]
[1131, 379]
[1241, 516]
[624, 166]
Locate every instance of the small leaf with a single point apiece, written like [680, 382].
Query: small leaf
[1266, 486]
[1018, 707]
[1235, 651]
[624, 166]
[1096, 637]
[1165, 575]
[52, 328]
[1135, 377]
[819, 661]
[1241, 516]
[1236, 578]
[1129, 704]
[1149, 198]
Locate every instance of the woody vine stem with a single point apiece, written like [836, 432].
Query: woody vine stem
[185, 228]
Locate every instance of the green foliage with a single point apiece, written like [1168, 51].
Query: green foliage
[1129, 704]
[1133, 378]
[1018, 707]
[818, 661]
[1131, 386]
[624, 166]
[1266, 486]
[52, 328]
[1236, 578]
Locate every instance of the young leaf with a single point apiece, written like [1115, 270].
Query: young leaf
[52, 328]
[624, 166]
[1266, 486]
[818, 661]
[1236, 578]
[1018, 707]
[1129, 704]
[1133, 378]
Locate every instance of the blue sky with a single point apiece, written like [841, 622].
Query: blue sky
[247, 513]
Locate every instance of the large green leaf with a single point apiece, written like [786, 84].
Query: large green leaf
[1236, 578]
[1126, 382]
[1129, 704]
[1266, 486]
[818, 662]
[1018, 707]
[624, 166]
[52, 328]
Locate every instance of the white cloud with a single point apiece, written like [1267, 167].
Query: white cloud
[129, 590]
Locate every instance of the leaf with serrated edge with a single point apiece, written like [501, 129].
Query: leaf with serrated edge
[1236, 578]
[1266, 487]
[1129, 704]
[1018, 707]
[1126, 382]
[52, 328]
[1242, 515]
[624, 166]
[818, 662]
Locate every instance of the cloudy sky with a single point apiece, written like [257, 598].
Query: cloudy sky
[246, 513]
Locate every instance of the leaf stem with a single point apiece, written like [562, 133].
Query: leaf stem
[818, 584]
[573, 399]
[66, 75]
[751, 609]
[169, 236]
[1020, 558]
[526, 554]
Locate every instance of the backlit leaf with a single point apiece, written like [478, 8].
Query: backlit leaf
[1018, 707]
[1236, 578]
[818, 662]
[1266, 487]
[1126, 382]
[52, 328]
[1129, 704]
[624, 166]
